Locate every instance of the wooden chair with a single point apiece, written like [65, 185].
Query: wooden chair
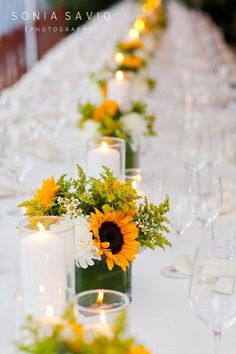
[12, 56]
[12, 46]
[47, 39]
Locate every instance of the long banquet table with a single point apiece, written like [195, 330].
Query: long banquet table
[160, 315]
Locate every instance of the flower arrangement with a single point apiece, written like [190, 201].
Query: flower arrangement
[130, 46]
[111, 225]
[109, 119]
[141, 84]
[67, 336]
[131, 62]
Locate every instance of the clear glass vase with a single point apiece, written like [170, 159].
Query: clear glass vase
[46, 266]
[99, 276]
[132, 157]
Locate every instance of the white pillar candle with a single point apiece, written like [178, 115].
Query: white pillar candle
[103, 156]
[43, 273]
[119, 89]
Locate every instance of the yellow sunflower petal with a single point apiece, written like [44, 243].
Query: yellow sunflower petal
[110, 263]
[105, 244]
[129, 228]
[126, 220]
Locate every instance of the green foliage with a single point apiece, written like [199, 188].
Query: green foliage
[151, 84]
[112, 125]
[151, 220]
[34, 208]
[150, 125]
[104, 194]
[139, 107]
[37, 339]
[86, 110]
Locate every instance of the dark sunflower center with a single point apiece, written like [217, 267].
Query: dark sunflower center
[110, 232]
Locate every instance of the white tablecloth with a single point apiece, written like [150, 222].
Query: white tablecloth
[160, 315]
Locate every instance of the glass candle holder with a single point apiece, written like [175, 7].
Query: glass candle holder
[142, 181]
[46, 266]
[119, 89]
[106, 151]
[98, 310]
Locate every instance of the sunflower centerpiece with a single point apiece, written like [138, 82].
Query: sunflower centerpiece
[111, 225]
[109, 119]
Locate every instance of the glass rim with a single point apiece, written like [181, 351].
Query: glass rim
[69, 224]
[137, 170]
[105, 291]
[115, 142]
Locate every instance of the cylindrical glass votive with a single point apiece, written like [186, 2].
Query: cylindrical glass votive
[142, 181]
[98, 310]
[46, 266]
[106, 151]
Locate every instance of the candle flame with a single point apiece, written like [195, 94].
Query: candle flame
[133, 33]
[40, 226]
[100, 297]
[49, 311]
[119, 57]
[120, 75]
[102, 317]
[104, 145]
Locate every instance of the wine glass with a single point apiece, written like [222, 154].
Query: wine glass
[212, 291]
[17, 164]
[176, 183]
[217, 143]
[206, 197]
[194, 144]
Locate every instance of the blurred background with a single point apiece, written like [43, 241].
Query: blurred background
[19, 50]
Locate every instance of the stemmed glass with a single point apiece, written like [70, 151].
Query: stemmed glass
[17, 164]
[206, 197]
[176, 183]
[194, 144]
[217, 145]
[212, 291]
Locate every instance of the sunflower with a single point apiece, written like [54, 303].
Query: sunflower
[115, 236]
[107, 108]
[46, 194]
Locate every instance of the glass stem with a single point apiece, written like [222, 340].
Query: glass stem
[217, 339]
[179, 235]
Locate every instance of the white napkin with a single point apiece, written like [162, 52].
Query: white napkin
[226, 286]
[183, 263]
[216, 268]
